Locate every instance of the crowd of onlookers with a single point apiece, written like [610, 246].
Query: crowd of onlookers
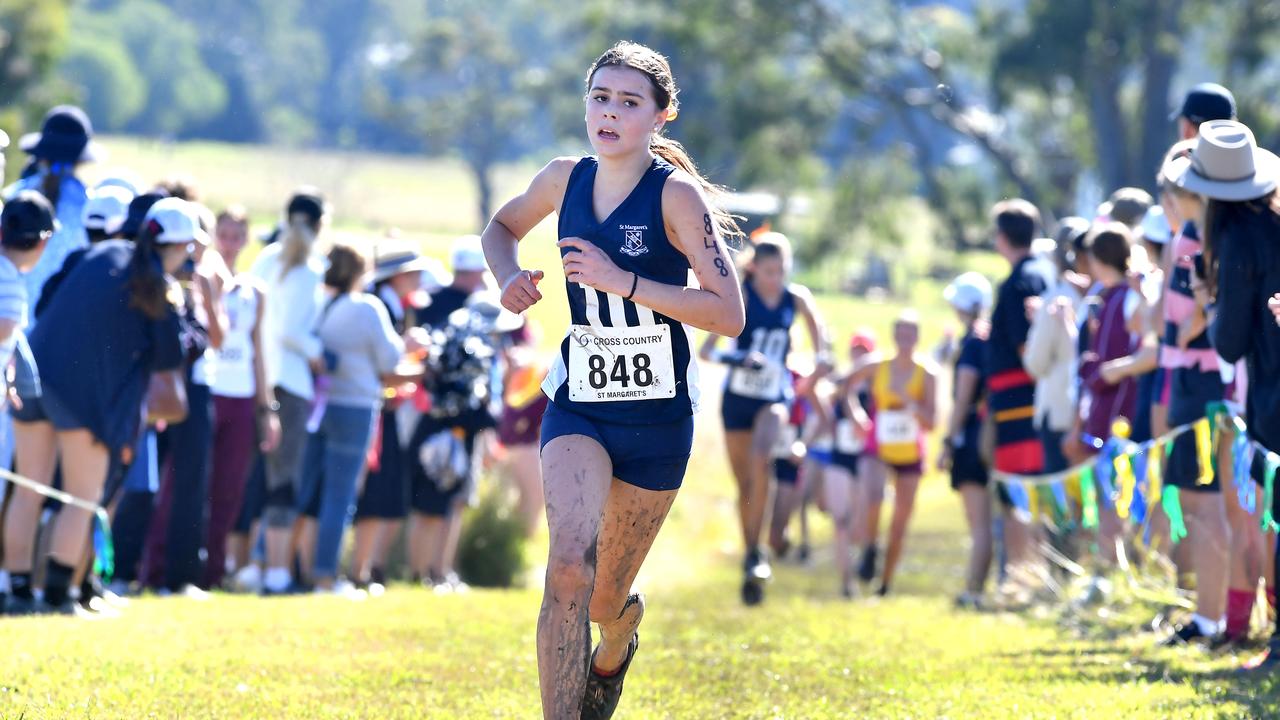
[237, 415]
[1142, 320]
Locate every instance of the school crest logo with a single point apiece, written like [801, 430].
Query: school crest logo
[634, 241]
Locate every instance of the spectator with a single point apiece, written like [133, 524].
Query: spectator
[384, 501]
[357, 332]
[970, 296]
[291, 270]
[65, 142]
[26, 225]
[244, 422]
[436, 520]
[1011, 389]
[95, 370]
[1202, 103]
[1242, 271]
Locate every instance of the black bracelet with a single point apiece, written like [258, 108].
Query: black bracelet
[635, 280]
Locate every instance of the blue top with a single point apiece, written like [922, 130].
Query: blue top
[96, 366]
[767, 331]
[617, 363]
[973, 351]
[70, 235]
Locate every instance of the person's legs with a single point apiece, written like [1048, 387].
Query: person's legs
[283, 470]
[348, 432]
[905, 485]
[738, 445]
[85, 463]
[786, 501]
[186, 529]
[631, 520]
[872, 477]
[578, 475]
[977, 512]
[1207, 523]
[35, 455]
[234, 437]
[450, 534]
[838, 491]
[419, 542]
[764, 437]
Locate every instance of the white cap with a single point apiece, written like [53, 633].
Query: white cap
[107, 209]
[123, 179]
[468, 255]
[1155, 226]
[970, 292]
[177, 222]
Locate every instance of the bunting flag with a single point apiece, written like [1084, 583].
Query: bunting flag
[1061, 508]
[1020, 498]
[104, 552]
[1103, 472]
[1126, 482]
[1088, 498]
[1242, 470]
[1141, 486]
[1268, 494]
[1172, 505]
[1204, 450]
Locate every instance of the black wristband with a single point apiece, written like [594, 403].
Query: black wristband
[635, 280]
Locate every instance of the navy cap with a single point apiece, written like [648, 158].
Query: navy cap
[26, 219]
[65, 137]
[1205, 102]
[306, 201]
[138, 209]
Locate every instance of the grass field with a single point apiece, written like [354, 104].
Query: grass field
[805, 654]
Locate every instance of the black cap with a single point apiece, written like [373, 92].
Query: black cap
[138, 209]
[25, 220]
[306, 201]
[1205, 102]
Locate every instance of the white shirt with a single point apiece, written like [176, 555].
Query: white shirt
[293, 304]
[235, 377]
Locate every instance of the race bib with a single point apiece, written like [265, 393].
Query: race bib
[896, 428]
[627, 363]
[762, 384]
[848, 441]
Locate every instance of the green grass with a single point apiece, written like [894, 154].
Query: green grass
[411, 654]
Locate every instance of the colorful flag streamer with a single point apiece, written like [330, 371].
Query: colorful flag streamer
[1089, 498]
[104, 552]
[1242, 469]
[1172, 504]
[1126, 481]
[1204, 450]
[1269, 494]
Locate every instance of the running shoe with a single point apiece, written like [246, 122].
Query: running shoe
[1186, 635]
[867, 569]
[1266, 662]
[804, 553]
[757, 566]
[603, 692]
[19, 606]
[968, 601]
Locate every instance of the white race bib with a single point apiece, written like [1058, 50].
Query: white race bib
[896, 427]
[608, 364]
[848, 441]
[762, 384]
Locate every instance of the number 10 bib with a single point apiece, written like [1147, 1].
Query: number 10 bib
[608, 364]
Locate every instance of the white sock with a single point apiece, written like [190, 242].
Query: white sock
[1207, 627]
[277, 579]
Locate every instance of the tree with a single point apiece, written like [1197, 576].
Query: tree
[32, 36]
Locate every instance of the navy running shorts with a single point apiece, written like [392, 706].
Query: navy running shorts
[652, 457]
[740, 413]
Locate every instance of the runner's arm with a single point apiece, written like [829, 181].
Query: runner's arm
[818, 334]
[929, 404]
[512, 223]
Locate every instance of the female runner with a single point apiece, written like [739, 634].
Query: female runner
[616, 438]
[758, 392]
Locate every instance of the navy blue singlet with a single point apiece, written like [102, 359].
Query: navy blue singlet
[767, 331]
[619, 357]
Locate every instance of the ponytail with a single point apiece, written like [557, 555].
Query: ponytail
[297, 240]
[148, 286]
[675, 154]
[51, 186]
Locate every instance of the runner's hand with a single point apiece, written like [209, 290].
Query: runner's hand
[1274, 305]
[755, 361]
[270, 432]
[593, 268]
[520, 291]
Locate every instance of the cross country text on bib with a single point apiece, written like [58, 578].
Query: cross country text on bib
[608, 364]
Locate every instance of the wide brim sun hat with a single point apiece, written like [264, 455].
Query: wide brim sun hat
[1225, 164]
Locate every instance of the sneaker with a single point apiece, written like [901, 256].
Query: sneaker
[882, 590]
[603, 693]
[343, 589]
[455, 584]
[247, 579]
[968, 601]
[757, 566]
[849, 589]
[752, 592]
[867, 569]
[20, 606]
[803, 554]
[1224, 643]
[1186, 635]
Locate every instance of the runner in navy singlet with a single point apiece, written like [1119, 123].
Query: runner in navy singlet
[757, 392]
[633, 221]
